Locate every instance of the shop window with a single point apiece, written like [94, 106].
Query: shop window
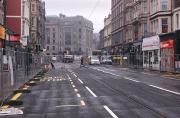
[156, 58]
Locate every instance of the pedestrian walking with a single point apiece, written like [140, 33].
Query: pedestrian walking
[82, 63]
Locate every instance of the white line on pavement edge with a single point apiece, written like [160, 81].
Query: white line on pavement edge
[110, 112]
[91, 92]
[81, 81]
[165, 89]
[75, 75]
[127, 78]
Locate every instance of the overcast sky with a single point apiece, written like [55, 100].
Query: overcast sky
[81, 7]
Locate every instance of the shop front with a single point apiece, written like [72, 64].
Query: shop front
[151, 53]
[167, 42]
[170, 51]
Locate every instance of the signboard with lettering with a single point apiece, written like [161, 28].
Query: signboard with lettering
[2, 32]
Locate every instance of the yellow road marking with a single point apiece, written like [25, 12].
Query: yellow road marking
[15, 97]
[82, 103]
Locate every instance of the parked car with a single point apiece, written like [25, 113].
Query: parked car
[68, 58]
[94, 60]
[106, 60]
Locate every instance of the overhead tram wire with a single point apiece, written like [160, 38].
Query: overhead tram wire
[98, 1]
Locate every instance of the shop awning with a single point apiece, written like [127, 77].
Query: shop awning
[151, 43]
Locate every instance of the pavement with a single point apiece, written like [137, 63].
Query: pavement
[100, 92]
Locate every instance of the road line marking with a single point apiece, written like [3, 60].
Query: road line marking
[147, 73]
[81, 81]
[82, 103]
[68, 77]
[75, 90]
[127, 78]
[75, 75]
[49, 80]
[91, 92]
[165, 89]
[68, 106]
[110, 112]
[73, 86]
[15, 97]
[78, 95]
[72, 82]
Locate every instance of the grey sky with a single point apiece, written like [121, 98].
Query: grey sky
[81, 7]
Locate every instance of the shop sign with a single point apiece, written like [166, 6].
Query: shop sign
[2, 32]
[14, 38]
[151, 43]
[167, 44]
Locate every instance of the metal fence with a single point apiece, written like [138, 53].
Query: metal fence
[16, 68]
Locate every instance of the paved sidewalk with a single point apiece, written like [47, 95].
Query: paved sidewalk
[8, 85]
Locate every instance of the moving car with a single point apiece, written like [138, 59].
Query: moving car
[68, 58]
[94, 60]
[106, 60]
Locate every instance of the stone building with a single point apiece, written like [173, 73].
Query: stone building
[75, 34]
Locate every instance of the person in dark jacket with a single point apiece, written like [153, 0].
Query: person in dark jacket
[82, 64]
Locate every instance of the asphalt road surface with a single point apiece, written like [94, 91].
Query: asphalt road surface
[101, 92]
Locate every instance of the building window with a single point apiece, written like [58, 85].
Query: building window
[33, 20]
[79, 30]
[53, 47]
[177, 20]
[33, 7]
[145, 6]
[54, 29]
[145, 29]
[67, 38]
[48, 40]
[54, 41]
[54, 35]
[164, 25]
[164, 5]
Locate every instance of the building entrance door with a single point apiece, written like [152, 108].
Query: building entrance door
[150, 59]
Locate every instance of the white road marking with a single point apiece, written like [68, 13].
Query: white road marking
[110, 112]
[75, 75]
[91, 92]
[147, 73]
[75, 90]
[68, 106]
[131, 79]
[165, 89]
[81, 81]
[82, 103]
[72, 82]
[78, 95]
[73, 86]
[68, 77]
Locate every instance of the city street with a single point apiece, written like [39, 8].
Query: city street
[101, 92]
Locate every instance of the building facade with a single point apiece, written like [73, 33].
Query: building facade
[1, 12]
[176, 15]
[18, 18]
[107, 33]
[37, 29]
[75, 34]
[53, 37]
